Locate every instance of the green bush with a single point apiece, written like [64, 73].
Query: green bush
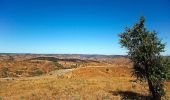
[58, 66]
[37, 72]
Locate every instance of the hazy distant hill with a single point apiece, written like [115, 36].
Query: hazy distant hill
[22, 56]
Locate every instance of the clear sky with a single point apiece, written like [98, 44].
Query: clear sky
[76, 26]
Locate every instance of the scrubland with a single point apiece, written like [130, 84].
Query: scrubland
[89, 80]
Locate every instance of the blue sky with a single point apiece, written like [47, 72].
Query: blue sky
[76, 26]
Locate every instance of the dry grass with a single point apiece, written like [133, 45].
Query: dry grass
[24, 68]
[75, 87]
[91, 82]
[67, 88]
[97, 71]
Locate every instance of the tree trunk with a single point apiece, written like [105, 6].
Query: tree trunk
[155, 95]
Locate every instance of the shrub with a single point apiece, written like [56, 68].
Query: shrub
[37, 72]
[58, 66]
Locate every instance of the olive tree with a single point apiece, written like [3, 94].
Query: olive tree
[144, 50]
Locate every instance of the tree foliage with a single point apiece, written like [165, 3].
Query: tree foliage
[144, 49]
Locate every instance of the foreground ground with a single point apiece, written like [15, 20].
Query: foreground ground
[90, 82]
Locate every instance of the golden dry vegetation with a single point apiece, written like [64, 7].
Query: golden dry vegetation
[24, 68]
[94, 81]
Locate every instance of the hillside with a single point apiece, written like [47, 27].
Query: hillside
[66, 78]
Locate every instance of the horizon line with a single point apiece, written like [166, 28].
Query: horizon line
[63, 54]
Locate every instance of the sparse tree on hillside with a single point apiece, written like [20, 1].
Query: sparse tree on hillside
[144, 48]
